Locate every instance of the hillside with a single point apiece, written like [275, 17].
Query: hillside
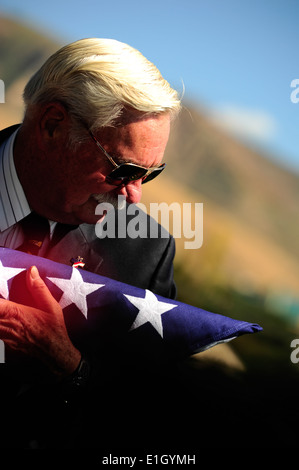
[22, 51]
[259, 192]
[234, 253]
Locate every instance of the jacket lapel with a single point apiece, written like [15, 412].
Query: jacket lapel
[72, 244]
[5, 133]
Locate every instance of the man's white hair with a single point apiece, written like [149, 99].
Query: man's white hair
[97, 79]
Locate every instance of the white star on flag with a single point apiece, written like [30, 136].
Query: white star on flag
[150, 310]
[75, 290]
[7, 273]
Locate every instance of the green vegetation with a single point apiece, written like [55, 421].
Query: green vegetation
[267, 352]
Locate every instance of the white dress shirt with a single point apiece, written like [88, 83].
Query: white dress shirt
[13, 203]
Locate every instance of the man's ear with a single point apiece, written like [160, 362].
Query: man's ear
[54, 121]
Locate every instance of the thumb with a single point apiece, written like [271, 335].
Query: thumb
[43, 298]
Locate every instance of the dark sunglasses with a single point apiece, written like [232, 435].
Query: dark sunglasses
[127, 172]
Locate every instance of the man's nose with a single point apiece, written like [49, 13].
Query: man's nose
[131, 191]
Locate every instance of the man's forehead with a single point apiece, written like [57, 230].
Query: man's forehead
[139, 139]
[136, 130]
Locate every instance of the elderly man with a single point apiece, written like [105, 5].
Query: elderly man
[96, 125]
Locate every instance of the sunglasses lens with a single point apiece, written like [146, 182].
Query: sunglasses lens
[126, 173]
[129, 172]
[153, 174]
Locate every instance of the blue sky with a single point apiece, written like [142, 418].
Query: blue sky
[237, 59]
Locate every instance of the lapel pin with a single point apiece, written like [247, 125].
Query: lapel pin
[77, 262]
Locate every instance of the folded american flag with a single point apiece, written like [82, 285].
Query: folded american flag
[110, 310]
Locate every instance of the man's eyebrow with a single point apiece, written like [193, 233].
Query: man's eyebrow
[121, 159]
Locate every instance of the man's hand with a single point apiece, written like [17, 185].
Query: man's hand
[39, 332]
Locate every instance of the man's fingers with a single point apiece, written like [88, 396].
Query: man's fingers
[40, 292]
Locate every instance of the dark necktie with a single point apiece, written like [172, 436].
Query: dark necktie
[36, 231]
